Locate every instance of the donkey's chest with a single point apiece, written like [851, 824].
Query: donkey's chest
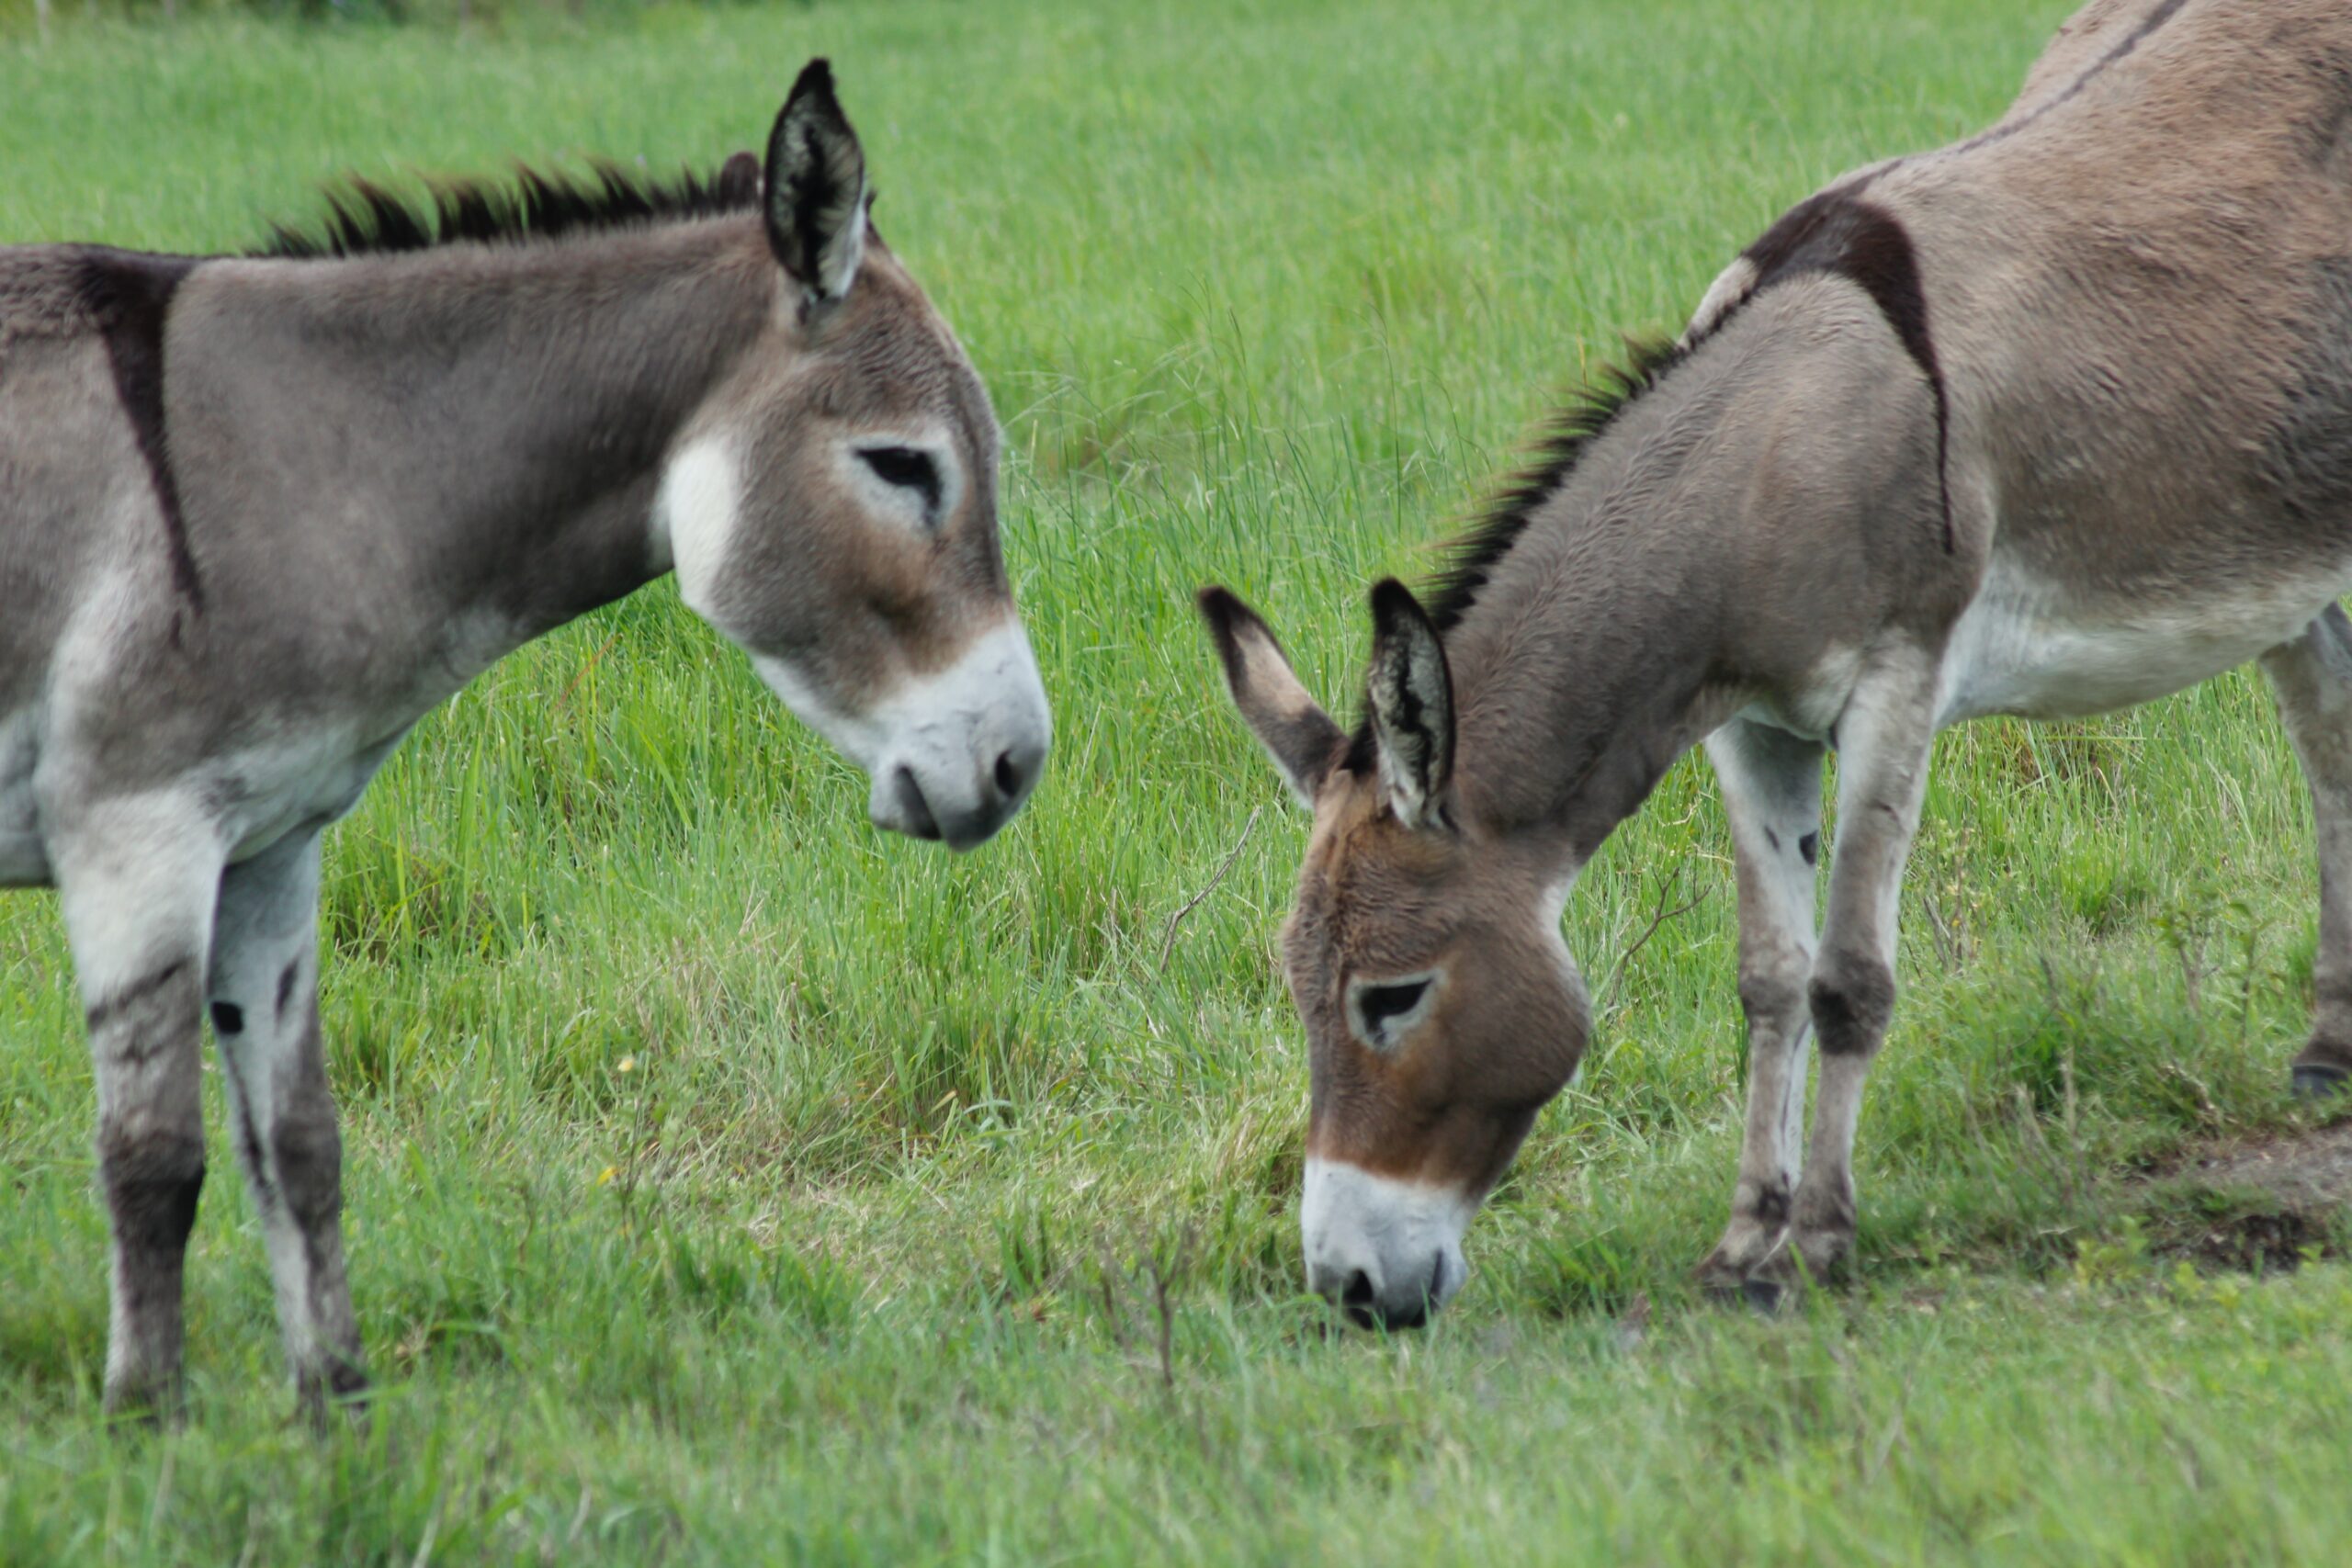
[2026, 648]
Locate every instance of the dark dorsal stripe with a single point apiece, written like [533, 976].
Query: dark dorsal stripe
[2148, 24]
[128, 295]
[1863, 243]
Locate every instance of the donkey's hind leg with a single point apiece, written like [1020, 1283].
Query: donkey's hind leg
[2312, 678]
[136, 878]
[264, 989]
[1771, 789]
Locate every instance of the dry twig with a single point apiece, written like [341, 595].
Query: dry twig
[1168, 938]
[1657, 919]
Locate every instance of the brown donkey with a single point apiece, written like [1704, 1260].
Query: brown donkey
[259, 513]
[2051, 422]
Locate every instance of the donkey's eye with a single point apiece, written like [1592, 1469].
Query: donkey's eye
[907, 469]
[1380, 1003]
[1382, 1011]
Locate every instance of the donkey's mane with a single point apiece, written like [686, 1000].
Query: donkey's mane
[1560, 443]
[367, 218]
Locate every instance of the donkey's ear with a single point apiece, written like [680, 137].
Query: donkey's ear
[739, 180]
[1299, 736]
[816, 188]
[1412, 706]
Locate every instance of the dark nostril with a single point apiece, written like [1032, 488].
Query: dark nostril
[920, 823]
[1357, 1297]
[1008, 775]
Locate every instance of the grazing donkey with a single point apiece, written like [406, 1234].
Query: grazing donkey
[259, 513]
[2052, 422]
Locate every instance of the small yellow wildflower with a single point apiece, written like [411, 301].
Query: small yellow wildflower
[628, 1063]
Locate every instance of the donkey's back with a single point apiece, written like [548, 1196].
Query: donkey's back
[2140, 284]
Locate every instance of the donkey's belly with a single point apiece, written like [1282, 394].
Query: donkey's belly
[298, 786]
[2020, 648]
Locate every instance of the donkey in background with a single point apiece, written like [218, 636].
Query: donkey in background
[2051, 422]
[259, 513]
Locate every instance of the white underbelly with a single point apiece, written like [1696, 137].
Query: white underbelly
[300, 782]
[2020, 649]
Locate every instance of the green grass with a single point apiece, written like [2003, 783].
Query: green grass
[728, 1183]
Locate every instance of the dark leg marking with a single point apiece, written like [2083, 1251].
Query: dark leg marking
[249, 1137]
[1810, 847]
[1852, 1003]
[130, 295]
[152, 1183]
[286, 990]
[106, 1008]
[228, 1018]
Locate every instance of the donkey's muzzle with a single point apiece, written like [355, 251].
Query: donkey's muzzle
[960, 751]
[969, 816]
[1368, 1307]
[1386, 1252]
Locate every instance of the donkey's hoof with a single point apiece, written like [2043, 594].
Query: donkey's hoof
[1721, 1287]
[2317, 1080]
[134, 1411]
[1721, 1277]
[335, 1393]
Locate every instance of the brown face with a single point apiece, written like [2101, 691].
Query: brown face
[833, 510]
[1442, 1007]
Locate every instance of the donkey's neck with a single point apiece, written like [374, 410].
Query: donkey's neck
[1581, 680]
[1616, 631]
[531, 393]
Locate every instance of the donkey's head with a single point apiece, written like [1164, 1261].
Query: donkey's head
[1424, 953]
[832, 508]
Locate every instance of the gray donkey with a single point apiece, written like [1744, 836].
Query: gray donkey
[259, 513]
[2053, 420]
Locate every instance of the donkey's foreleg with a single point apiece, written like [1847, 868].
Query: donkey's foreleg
[1771, 789]
[136, 879]
[2312, 678]
[264, 991]
[1886, 732]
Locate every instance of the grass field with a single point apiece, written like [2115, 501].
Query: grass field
[728, 1183]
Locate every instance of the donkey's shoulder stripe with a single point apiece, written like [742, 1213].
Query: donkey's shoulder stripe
[128, 295]
[1864, 243]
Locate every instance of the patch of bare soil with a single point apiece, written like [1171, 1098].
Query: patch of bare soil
[2300, 1183]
